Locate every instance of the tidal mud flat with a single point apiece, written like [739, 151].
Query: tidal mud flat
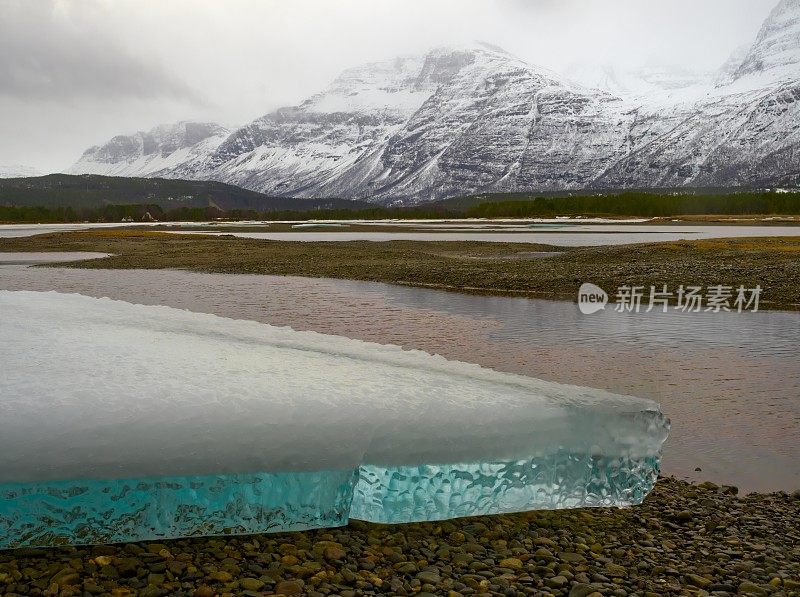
[684, 539]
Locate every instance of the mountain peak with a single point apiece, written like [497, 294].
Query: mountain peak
[398, 86]
[476, 46]
[149, 152]
[776, 50]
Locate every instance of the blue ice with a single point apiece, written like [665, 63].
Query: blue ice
[122, 422]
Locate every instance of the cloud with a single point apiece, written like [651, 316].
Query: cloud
[61, 51]
[74, 73]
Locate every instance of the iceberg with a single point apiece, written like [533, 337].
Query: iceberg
[123, 422]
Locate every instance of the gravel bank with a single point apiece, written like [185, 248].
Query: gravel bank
[684, 540]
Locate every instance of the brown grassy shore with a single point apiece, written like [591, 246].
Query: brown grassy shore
[518, 269]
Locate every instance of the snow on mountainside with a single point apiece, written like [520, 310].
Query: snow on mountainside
[470, 123]
[776, 51]
[470, 119]
[640, 81]
[413, 128]
[17, 171]
[726, 73]
[159, 150]
[747, 138]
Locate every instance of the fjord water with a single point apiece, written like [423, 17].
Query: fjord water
[728, 382]
[124, 422]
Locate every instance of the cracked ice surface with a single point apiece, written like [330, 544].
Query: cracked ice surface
[123, 422]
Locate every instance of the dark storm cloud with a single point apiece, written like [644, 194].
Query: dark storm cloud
[60, 52]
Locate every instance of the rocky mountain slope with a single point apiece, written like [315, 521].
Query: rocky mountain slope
[776, 51]
[476, 119]
[159, 150]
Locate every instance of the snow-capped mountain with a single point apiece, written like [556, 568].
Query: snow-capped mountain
[159, 150]
[454, 119]
[17, 171]
[747, 138]
[776, 52]
[476, 119]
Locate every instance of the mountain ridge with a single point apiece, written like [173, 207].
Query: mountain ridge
[470, 119]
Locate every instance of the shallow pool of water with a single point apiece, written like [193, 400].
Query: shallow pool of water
[567, 235]
[30, 258]
[729, 382]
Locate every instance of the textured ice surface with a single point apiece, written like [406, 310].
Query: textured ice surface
[121, 422]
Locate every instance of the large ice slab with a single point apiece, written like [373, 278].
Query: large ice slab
[121, 422]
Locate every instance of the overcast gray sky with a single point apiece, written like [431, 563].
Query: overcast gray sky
[74, 73]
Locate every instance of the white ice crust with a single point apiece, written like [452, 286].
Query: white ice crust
[96, 388]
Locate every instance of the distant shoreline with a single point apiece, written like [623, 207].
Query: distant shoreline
[69, 198]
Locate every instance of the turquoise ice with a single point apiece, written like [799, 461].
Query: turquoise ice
[122, 422]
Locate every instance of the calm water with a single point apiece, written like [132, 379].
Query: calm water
[18, 230]
[568, 234]
[729, 382]
[31, 257]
